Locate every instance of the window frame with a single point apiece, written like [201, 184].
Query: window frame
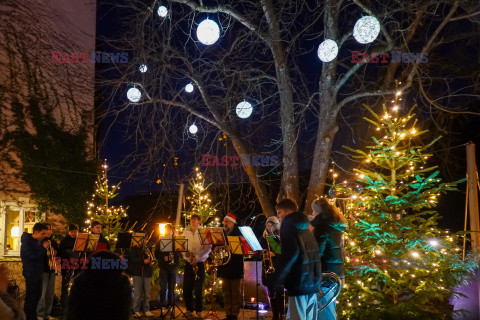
[22, 208]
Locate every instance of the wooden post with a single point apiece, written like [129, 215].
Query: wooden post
[472, 184]
[472, 198]
[179, 205]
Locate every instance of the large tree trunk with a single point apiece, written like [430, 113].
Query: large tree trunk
[261, 189]
[327, 128]
[327, 117]
[289, 187]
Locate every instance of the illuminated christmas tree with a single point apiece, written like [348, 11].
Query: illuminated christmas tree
[99, 209]
[400, 265]
[200, 202]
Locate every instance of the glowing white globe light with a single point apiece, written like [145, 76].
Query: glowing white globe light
[134, 95]
[244, 109]
[327, 50]
[193, 129]
[366, 29]
[15, 232]
[208, 32]
[189, 88]
[162, 11]
[143, 68]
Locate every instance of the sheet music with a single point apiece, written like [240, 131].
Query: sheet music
[252, 240]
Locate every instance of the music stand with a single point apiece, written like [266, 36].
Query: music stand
[172, 244]
[255, 246]
[213, 237]
[86, 242]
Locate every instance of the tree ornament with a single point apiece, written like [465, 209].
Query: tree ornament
[134, 95]
[244, 109]
[327, 50]
[162, 11]
[193, 129]
[208, 32]
[366, 29]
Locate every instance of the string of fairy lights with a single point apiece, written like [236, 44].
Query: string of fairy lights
[402, 163]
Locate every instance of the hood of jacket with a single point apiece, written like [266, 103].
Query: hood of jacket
[297, 220]
[26, 237]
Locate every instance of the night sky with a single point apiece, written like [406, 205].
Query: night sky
[450, 158]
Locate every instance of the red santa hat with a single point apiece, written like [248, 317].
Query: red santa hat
[231, 217]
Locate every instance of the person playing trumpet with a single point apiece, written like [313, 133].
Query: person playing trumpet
[45, 304]
[193, 279]
[168, 264]
[270, 265]
[140, 268]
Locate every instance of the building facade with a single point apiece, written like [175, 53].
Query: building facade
[31, 32]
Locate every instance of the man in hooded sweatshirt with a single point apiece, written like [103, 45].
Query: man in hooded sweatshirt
[299, 268]
[32, 253]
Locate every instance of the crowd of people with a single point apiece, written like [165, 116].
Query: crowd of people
[100, 288]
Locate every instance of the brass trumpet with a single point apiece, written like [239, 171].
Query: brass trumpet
[149, 255]
[52, 262]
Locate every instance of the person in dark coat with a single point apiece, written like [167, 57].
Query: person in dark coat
[140, 268]
[329, 225]
[45, 304]
[232, 273]
[32, 253]
[66, 253]
[299, 267]
[168, 264]
[100, 293]
[272, 228]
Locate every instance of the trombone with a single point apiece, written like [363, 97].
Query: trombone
[267, 257]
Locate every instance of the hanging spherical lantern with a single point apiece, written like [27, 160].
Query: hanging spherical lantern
[366, 29]
[327, 50]
[134, 95]
[208, 32]
[193, 129]
[244, 109]
[143, 68]
[189, 88]
[162, 11]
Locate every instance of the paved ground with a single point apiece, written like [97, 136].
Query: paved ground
[220, 314]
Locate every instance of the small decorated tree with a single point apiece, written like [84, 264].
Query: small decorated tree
[400, 265]
[200, 202]
[99, 208]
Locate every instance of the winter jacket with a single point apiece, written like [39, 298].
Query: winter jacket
[9, 308]
[32, 253]
[234, 268]
[102, 244]
[136, 266]
[299, 267]
[100, 294]
[46, 263]
[65, 249]
[329, 236]
[160, 256]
